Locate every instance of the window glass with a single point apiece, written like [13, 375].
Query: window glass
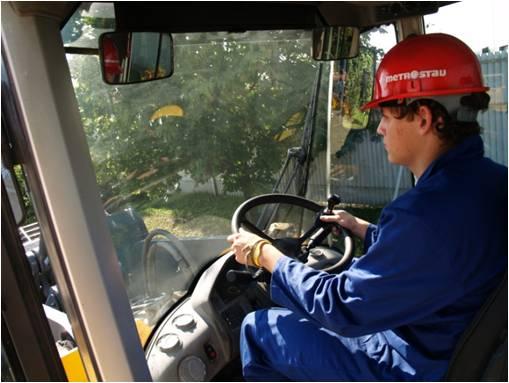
[359, 171]
[239, 117]
[174, 158]
[87, 23]
[483, 28]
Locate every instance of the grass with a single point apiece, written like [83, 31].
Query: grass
[191, 215]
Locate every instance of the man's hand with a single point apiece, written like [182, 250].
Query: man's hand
[356, 225]
[242, 243]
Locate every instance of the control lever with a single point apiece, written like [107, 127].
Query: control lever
[239, 276]
[332, 201]
[323, 229]
[244, 276]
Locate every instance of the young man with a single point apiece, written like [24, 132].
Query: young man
[437, 252]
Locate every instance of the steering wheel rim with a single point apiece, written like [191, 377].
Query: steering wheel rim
[239, 220]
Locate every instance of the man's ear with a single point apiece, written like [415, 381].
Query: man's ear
[425, 119]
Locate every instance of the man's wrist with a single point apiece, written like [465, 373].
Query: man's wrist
[361, 228]
[257, 250]
[268, 257]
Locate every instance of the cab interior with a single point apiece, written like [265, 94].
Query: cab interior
[115, 264]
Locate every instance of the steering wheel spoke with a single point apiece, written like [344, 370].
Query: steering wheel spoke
[255, 230]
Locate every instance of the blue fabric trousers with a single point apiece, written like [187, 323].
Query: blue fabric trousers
[278, 345]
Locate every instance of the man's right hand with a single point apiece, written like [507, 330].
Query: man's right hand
[356, 225]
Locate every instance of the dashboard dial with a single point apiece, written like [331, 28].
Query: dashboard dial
[184, 322]
[192, 369]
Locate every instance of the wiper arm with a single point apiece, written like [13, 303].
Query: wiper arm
[299, 154]
[302, 153]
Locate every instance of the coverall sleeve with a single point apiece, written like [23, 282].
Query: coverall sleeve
[400, 279]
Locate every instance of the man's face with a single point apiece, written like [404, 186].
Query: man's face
[399, 136]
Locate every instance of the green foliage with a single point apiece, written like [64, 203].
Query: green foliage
[26, 201]
[236, 96]
[361, 71]
[359, 83]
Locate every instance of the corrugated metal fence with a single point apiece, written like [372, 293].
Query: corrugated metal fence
[494, 121]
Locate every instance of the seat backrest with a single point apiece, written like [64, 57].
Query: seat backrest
[481, 353]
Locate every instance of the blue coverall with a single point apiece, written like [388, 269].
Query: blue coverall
[398, 311]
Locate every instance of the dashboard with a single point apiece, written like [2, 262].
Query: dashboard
[201, 336]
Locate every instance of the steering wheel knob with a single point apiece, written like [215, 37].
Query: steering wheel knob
[332, 201]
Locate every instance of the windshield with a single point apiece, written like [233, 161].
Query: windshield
[243, 114]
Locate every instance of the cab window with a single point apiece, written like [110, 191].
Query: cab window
[175, 157]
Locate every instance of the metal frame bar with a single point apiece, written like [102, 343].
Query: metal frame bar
[66, 199]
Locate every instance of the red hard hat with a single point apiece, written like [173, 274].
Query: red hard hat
[425, 66]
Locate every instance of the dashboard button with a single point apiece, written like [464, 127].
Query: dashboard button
[169, 343]
[184, 322]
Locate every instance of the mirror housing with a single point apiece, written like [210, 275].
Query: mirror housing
[132, 57]
[335, 43]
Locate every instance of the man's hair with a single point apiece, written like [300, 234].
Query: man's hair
[452, 131]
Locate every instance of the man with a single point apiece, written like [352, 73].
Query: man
[437, 252]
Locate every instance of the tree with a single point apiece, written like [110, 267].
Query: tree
[236, 96]
[239, 95]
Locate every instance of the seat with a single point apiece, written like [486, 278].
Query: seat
[481, 353]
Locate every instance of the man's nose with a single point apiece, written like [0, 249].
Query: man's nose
[380, 130]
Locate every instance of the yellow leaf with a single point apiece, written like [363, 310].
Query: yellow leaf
[166, 111]
[295, 119]
[288, 132]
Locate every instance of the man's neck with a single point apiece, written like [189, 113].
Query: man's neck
[428, 154]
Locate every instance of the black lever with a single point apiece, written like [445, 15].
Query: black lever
[239, 276]
[332, 201]
[320, 229]
[244, 276]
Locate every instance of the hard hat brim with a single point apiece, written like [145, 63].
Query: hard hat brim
[376, 103]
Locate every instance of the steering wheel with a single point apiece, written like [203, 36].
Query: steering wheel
[173, 247]
[300, 247]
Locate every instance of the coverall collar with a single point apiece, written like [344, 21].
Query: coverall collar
[470, 147]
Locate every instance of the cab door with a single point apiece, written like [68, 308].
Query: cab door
[52, 147]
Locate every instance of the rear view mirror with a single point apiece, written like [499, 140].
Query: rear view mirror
[335, 43]
[131, 57]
